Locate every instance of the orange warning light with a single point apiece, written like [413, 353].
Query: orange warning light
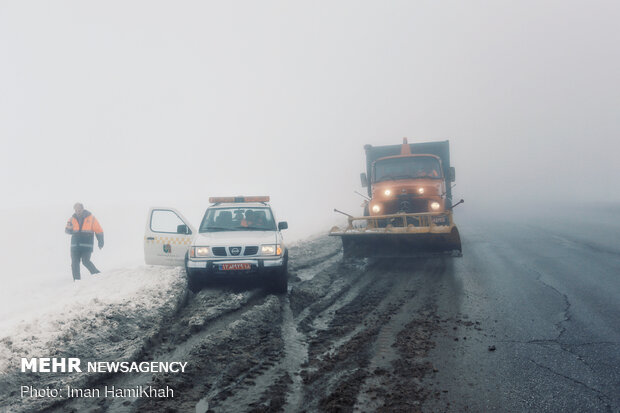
[220, 199]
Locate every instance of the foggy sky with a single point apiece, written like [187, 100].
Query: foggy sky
[167, 103]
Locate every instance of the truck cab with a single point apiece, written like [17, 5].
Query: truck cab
[238, 237]
[407, 183]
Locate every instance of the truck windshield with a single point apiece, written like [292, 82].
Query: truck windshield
[237, 219]
[407, 167]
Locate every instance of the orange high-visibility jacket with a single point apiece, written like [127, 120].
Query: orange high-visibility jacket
[83, 229]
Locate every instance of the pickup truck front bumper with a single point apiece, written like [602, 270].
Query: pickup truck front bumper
[214, 267]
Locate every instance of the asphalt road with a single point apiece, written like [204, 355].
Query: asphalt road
[527, 320]
[546, 295]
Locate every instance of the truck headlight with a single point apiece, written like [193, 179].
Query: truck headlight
[388, 192]
[273, 249]
[376, 209]
[420, 190]
[195, 252]
[435, 206]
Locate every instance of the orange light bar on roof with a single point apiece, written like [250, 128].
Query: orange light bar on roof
[256, 199]
[220, 199]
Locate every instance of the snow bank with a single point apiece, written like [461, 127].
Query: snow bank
[110, 316]
[85, 307]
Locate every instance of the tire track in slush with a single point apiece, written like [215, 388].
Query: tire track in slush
[341, 372]
[385, 353]
[339, 353]
[159, 352]
[295, 351]
[294, 354]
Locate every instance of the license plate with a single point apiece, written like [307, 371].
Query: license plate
[235, 267]
[441, 220]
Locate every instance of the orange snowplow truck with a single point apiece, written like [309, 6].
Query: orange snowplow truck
[410, 205]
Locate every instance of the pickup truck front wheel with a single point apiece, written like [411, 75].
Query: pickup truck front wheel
[279, 281]
[193, 282]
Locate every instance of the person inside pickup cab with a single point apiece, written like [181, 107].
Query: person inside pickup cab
[248, 221]
[224, 219]
[260, 218]
[238, 217]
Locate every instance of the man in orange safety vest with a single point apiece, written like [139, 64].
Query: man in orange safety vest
[83, 227]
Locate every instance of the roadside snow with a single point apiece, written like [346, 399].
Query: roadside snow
[52, 314]
[110, 316]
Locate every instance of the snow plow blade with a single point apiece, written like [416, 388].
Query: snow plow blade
[399, 235]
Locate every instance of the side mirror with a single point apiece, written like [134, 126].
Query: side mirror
[183, 229]
[364, 180]
[282, 225]
[452, 174]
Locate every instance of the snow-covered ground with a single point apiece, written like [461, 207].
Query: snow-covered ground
[84, 308]
[112, 316]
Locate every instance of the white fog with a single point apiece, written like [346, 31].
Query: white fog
[127, 105]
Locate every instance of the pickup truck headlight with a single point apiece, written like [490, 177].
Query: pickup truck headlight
[273, 249]
[198, 252]
[435, 206]
[376, 209]
[388, 192]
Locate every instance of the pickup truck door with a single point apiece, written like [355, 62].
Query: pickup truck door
[167, 237]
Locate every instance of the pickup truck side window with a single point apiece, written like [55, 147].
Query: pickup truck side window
[165, 221]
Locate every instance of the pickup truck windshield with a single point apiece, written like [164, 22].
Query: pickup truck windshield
[408, 167]
[238, 219]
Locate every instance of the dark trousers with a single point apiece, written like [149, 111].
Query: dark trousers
[78, 254]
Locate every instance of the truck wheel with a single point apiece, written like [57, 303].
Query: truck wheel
[279, 282]
[193, 282]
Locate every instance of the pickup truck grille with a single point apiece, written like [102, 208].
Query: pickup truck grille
[219, 251]
[251, 250]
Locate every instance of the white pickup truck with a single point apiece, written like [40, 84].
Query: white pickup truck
[238, 237]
